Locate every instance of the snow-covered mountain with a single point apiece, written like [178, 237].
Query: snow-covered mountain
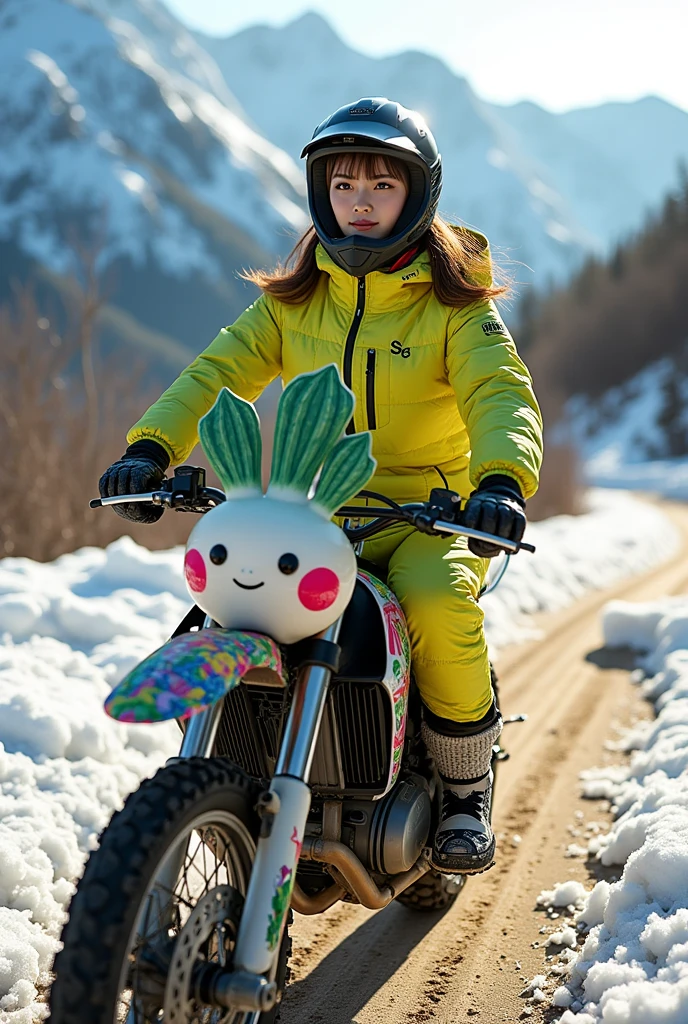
[180, 153]
[611, 163]
[545, 187]
[115, 121]
[648, 139]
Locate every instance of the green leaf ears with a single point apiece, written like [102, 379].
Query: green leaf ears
[313, 411]
[230, 437]
[347, 469]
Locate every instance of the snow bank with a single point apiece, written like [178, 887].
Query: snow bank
[627, 425]
[620, 535]
[624, 434]
[633, 966]
[668, 477]
[69, 630]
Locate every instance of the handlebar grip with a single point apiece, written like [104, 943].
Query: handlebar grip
[95, 503]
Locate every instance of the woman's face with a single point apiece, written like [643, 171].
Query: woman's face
[366, 205]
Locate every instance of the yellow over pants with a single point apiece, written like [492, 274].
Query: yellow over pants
[437, 582]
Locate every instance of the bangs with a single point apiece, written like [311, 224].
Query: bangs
[360, 164]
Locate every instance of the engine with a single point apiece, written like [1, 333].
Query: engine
[389, 835]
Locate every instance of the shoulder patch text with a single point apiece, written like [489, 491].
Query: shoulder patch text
[493, 327]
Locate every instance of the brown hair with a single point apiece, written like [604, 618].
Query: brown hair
[366, 165]
[461, 267]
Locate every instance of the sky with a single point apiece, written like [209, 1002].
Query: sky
[558, 53]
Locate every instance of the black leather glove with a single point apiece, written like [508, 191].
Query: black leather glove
[496, 507]
[141, 468]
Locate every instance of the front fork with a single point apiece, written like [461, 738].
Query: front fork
[284, 809]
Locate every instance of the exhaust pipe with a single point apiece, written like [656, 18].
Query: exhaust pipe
[308, 905]
[357, 877]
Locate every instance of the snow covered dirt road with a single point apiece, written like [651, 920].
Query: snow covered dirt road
[353, 966]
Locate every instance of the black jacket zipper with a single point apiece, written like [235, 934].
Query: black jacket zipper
[370, 388]
[351, 340]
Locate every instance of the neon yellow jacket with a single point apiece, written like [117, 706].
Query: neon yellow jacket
[442, 390]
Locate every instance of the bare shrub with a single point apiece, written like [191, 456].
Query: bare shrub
[561, 490]
[62, 422]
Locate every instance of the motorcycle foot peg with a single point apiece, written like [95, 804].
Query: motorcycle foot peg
[235, 990]
[267, 807]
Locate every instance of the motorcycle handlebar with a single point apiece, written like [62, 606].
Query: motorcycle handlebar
[423, 516]
[512, 547]
[152, 498]
[202, 501]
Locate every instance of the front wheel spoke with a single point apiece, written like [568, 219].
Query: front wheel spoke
[185, 903]
[184, 882]
[215, 877]
[216, 866]
[191, 868]
[208, 878]
[219, 862]
[205, 863]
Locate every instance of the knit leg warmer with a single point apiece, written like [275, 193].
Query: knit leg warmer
[462, 758]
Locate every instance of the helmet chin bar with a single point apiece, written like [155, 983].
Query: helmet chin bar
[357, 254]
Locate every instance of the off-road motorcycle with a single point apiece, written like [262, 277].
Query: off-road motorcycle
[302, 778]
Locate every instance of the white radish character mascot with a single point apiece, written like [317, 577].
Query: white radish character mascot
[271, 564]
[274, 562]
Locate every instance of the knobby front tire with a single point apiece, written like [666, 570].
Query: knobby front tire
[207, 804]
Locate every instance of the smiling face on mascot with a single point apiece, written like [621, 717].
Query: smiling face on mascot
[274, 563]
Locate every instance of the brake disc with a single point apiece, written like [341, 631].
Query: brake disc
[215, 916]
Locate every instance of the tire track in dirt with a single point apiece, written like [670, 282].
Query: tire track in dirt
[354, 966]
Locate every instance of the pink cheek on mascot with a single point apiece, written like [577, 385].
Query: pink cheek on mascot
[195, 570]
[318, 589]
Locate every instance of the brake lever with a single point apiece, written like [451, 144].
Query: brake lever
[511, 546]
[151, 497]
[205, 499]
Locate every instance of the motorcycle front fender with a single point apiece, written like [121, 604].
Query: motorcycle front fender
[192, 672]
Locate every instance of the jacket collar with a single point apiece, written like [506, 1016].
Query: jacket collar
[384, 291]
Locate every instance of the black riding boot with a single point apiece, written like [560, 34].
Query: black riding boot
[462, 752]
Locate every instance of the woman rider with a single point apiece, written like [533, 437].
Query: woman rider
[403, 304]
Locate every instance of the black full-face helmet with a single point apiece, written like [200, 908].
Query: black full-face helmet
[378, 126]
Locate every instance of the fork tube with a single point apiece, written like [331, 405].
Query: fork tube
[201, 729]
[307, 707]
[279, 848]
